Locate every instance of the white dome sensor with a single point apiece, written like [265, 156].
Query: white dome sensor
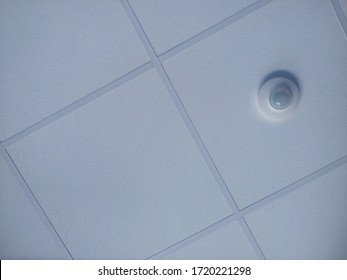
[278, 98]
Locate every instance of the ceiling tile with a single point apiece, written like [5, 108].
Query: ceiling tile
[168, 23]
[218, 79]
[22, 233]
[226, 243]
[309, 223]
[121, 178]
[53, 53]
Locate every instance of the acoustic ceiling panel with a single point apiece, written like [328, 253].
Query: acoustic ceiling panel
[218, 82]
[168, 23]
[225, 243]
[309, 223]
[23, 235]
[121, 177]
[131, 129]
[53, 53]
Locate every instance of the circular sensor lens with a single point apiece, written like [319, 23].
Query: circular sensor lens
[280, 98]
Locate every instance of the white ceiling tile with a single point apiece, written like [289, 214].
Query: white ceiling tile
[22, 233]
[218, 80]
[309, 223]
[168, 23]
[226, 243]
[121, 177]
[54, 52]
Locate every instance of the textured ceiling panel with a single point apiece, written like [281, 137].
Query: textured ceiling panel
[131, 129]
[121, 177]
[22, 233]
[218, 80]
[53, 53]
[168, 23]
[309, 223]
[225, 243]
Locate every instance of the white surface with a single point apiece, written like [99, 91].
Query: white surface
[121, 177]
[309, 223]
[53, 53]
[226, 243]
[22, 233]
[117, 171]
[168, 23]
[218, 79]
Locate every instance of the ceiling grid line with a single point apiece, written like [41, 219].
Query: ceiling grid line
[251, 208]
[134, 73]
[195, 236]
[78, 104]
[213, 29]
[156, 62]
[190, 126]
[33, 200]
